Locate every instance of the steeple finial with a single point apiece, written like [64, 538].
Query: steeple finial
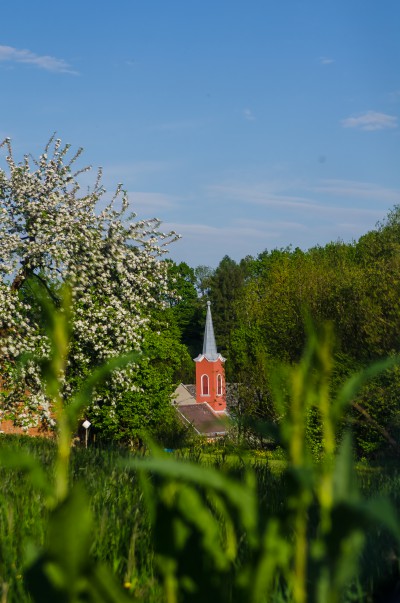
[209, 345]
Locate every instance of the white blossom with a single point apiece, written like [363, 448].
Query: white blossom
[112, 262]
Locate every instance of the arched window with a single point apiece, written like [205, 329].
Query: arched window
[204, 386]
[219, 385]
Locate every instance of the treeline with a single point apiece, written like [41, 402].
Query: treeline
[262, 305]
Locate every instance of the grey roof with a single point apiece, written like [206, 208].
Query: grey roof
[209, 345]
[202, 419]
[186, 394]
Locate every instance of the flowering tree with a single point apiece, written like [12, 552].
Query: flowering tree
[53, 233]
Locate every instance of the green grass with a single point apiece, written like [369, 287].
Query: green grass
[122, 536]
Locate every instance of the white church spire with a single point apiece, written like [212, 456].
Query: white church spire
[209, 345]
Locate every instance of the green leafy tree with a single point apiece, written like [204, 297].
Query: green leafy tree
[53, 233]
[146, 406]
[187, 309]
[203, 276]
[225, 287]
[354, 286]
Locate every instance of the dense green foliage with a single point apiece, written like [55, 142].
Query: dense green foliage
[147, 407]
[261, 305]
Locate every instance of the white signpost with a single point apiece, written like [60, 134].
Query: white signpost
[86, 424]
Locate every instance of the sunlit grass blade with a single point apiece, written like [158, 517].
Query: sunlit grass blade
[241, 496]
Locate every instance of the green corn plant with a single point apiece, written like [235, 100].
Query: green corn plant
[63, 570]
[214, 537]
[325, 558]
[214, 540]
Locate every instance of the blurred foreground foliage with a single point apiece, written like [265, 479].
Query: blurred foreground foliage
[215, 533]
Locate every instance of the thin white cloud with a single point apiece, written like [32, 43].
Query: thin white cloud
[326, 60]
[274, 224]
[264, 215]
[207, 244]
[276, 213]
[248, 194]
[264, 196]
[46, 62]
[371, 121]
[359, 190]
[214, 233]
[248, 114]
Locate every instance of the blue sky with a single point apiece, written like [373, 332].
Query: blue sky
[244, 126]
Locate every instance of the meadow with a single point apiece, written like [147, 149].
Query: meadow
[113, 525]
[123, 537]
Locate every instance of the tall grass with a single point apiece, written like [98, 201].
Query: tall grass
[122, 535]
[79, 525]
[302, 539]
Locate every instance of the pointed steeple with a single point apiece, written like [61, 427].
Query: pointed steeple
[210, 374]
[209, 345]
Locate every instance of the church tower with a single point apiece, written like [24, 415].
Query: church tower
[210, 372]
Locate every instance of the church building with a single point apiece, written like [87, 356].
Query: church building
[210, 372]
[203, 406]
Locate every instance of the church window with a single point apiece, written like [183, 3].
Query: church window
[219, 385]
[204, 385]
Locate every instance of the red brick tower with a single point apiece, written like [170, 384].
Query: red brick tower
[210, 372]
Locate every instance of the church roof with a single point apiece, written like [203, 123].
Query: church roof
[184, 395]
[202, 419]
[199, 415]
